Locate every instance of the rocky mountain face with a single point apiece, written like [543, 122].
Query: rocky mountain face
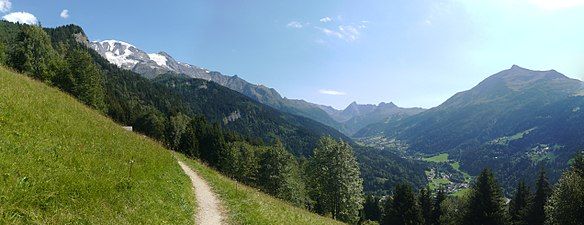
[513, 121]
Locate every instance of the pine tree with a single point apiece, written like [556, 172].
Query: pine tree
[566, 204]
[403, 208]
[189, 140]
[425, 201]
[177, 126]
[437, 207]
[519, 205]
[371, 208]
[87, 79]
[33, 54]
[486, 204]
[536, 215]
[151, 123]
[248, 162]
[279, 175]
[336, 185]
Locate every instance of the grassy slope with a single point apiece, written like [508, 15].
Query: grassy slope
[61, 162]
[443, 157]
[246, 205]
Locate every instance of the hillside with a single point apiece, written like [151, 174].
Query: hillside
[246, 205]
[64, 163]
[129, 96]
[150, 65]
[514, 122]
[242, 114]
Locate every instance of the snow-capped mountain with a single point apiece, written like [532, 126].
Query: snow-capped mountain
[127, 56]
[150, 65]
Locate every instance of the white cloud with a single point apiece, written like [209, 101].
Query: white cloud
[21, 17]
[295, 24]
[326, 19]
[331, 92]
[5, 5]
[348, 33]
[64, 14]
[351, 33]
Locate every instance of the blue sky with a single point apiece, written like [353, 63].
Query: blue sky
[411, 52]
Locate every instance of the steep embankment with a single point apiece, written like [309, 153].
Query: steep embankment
[61, 162]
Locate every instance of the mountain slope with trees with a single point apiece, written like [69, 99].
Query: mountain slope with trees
[514, 122]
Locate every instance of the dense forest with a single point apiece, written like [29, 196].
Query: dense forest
[326, 179]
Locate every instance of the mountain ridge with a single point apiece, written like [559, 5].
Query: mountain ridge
[503, 122]
[151, 65]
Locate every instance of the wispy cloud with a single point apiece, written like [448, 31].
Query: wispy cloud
[295, 24]
[331, 92]
[64, 14]
[326, 19]
[348, 33]
[21, 17]
[5, 5]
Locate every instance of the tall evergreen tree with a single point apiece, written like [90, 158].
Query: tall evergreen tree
[536, 215]
[151, 123]
[279, 175]
[336, 185]
[189, 140]
[519, 205]
[403, 208]
[371, 208]
[566, 204]
[486, 203]
[425, 200]
[177, 126]
[33, 54]
[246, 162]
[87, 79]
[437, 207]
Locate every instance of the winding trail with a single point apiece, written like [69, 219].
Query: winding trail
[208, 205]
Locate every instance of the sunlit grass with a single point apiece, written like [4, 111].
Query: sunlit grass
[437, 158]
[246, 205]
[63, 163]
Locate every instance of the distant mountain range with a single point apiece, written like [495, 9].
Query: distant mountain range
[151, 65]
[514, 122]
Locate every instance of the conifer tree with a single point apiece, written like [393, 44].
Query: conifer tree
[536, 215]
[437, 207]
[425, 200]
[403, 208]
[519, 205]
[177, 126]
[279, 175]
[371, 208]
[566, 204]
[336, 185]
[486, 203]
[33, 54]
[87, 79]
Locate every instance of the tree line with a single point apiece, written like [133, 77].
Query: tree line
[485, 203]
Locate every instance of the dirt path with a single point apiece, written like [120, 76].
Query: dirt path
[208, 205]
